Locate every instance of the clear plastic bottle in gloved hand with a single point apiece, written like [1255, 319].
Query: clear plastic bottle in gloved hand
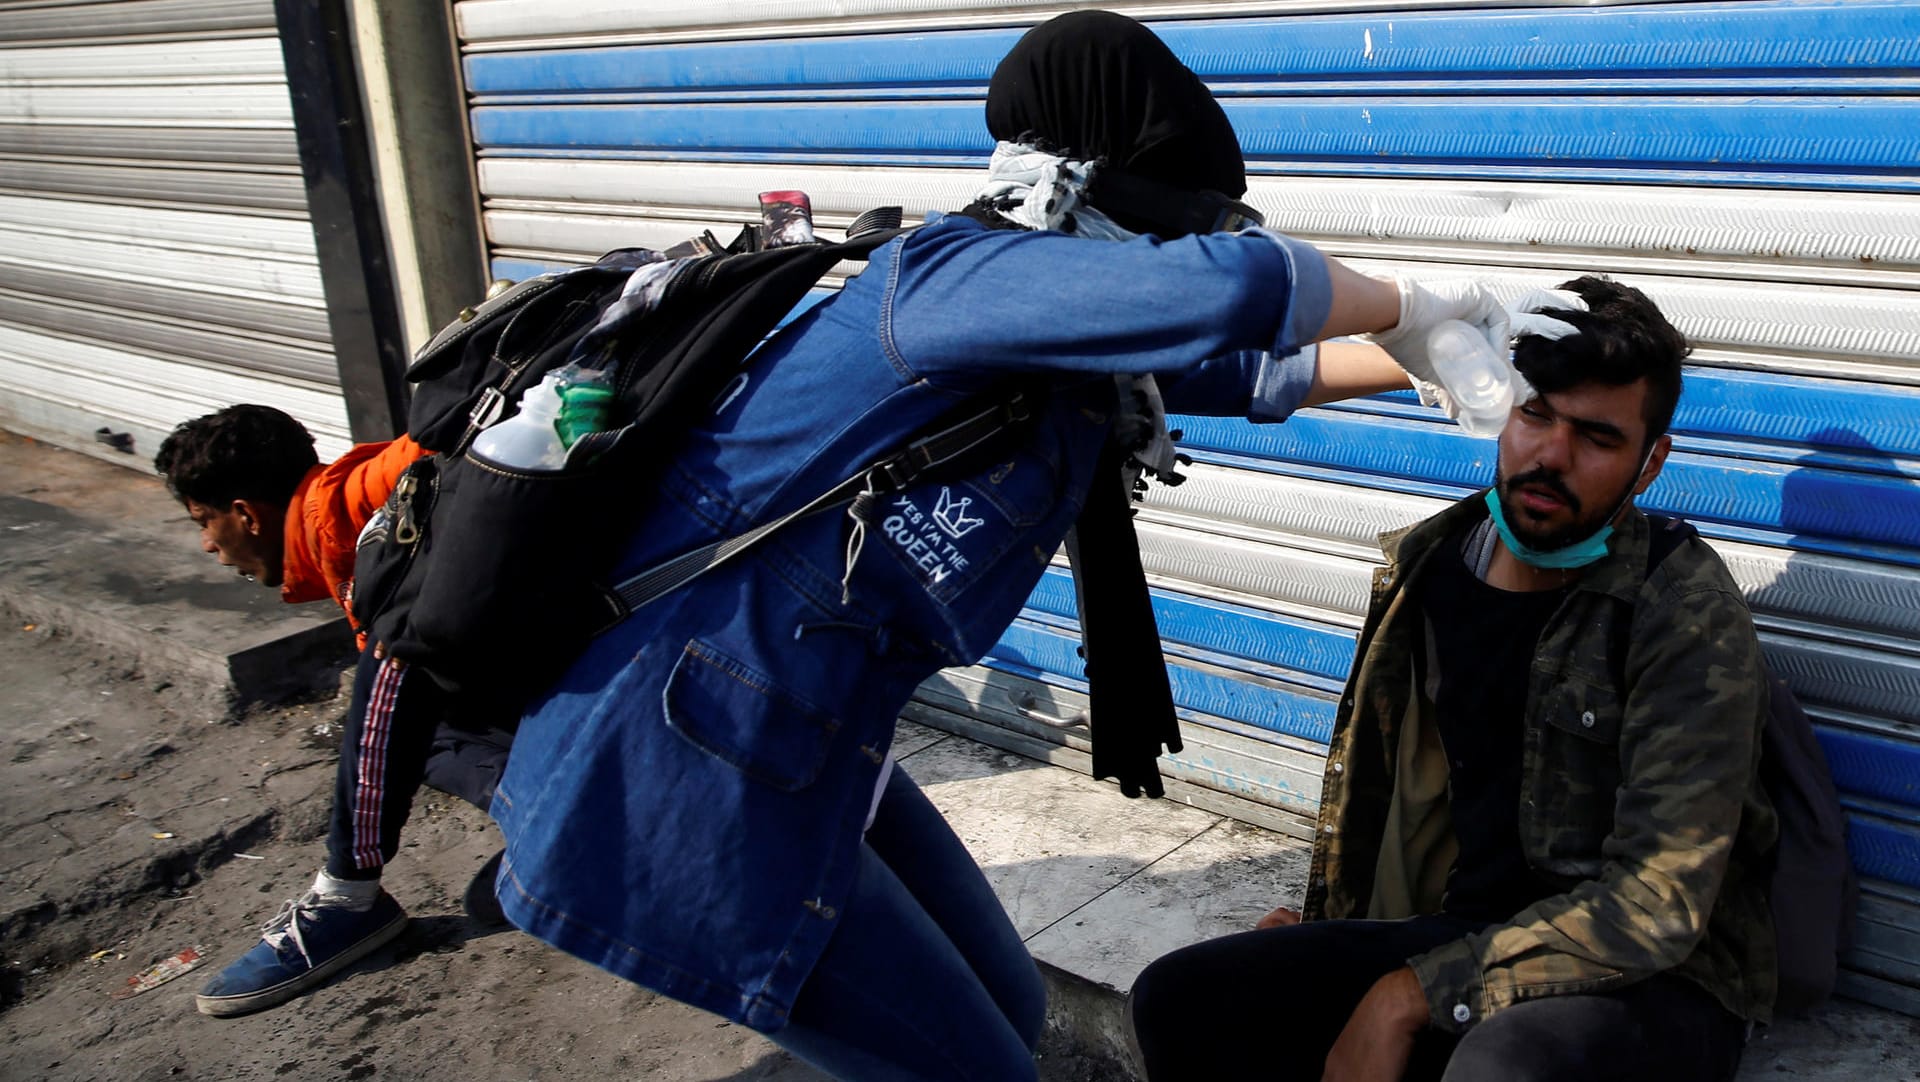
[1477, 379]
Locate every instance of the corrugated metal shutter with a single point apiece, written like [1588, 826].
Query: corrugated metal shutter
[1751, 165]
[156, 260]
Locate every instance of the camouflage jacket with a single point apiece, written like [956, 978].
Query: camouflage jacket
[1640, 795]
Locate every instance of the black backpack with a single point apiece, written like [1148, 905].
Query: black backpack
[493, 578]
[1813, 891]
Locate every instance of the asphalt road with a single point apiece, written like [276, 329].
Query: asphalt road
[137, 827]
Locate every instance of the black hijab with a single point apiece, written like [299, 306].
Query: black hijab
[1095, 85]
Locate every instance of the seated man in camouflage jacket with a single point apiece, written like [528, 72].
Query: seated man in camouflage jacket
[1542, 848]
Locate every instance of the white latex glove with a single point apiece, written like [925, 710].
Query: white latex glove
[1525, 318]
[1432, 394]
[1423, 307]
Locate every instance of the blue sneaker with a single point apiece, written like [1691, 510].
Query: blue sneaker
[304, 944]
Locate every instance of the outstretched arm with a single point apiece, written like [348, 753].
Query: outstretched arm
[1262, 387]
[1353, 370]
[1359, 304]
[963, 300]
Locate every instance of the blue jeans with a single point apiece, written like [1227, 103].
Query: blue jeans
[925, 978]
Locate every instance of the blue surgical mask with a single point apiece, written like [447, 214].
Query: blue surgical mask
[1579, 554]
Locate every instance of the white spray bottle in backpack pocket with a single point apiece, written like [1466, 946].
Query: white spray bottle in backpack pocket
[530, 439]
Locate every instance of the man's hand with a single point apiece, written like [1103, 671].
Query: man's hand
[1281, 917]
[1378, 1038]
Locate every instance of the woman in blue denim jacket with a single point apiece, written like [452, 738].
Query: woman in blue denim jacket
[705, 804]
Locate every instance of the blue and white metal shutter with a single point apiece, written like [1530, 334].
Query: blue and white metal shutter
[1751, 165]
[156, 261]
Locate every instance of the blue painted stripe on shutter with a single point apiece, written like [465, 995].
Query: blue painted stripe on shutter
[958, 58]
[1726, 133]
[1472, 52]
[1201, 655]
[926, 128]
[1873, 766]
[1033, 649]
[1882, 846]
[1838, 414]
[1778, 135]
[1873, 423]
[1898, 182]
[1299, 647]
[1822, 446]
[1614, 94]
[1488, 86]
[1822, 509]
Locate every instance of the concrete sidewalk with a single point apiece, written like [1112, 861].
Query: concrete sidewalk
[1098, 885]
[108, 555]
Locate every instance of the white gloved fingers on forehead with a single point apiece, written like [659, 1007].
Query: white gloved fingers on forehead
[1536, 300]
[1533, 323]
[1529, 318]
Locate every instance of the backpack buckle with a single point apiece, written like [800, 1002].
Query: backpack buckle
[897, 472]
[486, 410]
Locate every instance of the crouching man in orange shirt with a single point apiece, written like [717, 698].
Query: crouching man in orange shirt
[268, 508]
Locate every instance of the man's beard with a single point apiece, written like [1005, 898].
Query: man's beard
[1543, 540]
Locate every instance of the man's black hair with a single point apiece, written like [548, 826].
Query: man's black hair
[243, 452]
[1623, 338]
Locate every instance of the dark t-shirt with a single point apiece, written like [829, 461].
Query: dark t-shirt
[1484, 639]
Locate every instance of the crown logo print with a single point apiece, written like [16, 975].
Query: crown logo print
[951, 515]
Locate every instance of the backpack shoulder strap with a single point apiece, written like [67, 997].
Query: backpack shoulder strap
[1665, 534]
[951, 441]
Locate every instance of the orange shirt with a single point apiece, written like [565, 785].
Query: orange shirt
[327, 512]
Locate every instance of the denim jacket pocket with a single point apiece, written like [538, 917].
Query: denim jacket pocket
[738, 715]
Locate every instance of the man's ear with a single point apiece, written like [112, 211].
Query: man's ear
[1656, 458]
[254, 515]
